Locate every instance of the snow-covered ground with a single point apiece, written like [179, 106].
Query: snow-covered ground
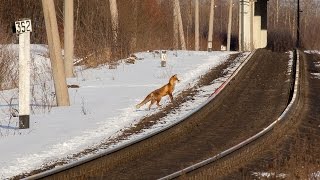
[317, 64]
[312, 51]
[268, 175]
[273, 175]
[102, 106]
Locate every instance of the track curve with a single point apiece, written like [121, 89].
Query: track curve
[292, 151]
[255, 98]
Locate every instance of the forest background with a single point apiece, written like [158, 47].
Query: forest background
[149, 24]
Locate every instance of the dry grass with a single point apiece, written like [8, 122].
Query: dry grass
[8, 69]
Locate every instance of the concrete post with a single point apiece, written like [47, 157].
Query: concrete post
[24, 80]
[259, 24]
[240, 35]
[256, 31]
[211, 26]
[252, 24]
[163, 57]
[247, 23]
[229, 26]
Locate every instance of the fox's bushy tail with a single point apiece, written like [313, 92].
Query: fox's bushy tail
[147, 99]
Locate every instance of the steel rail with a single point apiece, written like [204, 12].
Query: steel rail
[224, 153]
[129, 143]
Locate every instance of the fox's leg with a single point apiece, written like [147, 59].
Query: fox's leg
[171, 97]
[158, 101]
[152, 102]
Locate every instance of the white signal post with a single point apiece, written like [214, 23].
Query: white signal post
[163, 58]
[23, 29]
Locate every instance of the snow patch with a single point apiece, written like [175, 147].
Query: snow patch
[315, 75]
[269, 175]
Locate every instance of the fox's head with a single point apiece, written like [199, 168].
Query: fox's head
[174, 78]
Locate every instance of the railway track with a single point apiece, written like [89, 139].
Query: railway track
[229, 164]
[294, 151]
[253, 100]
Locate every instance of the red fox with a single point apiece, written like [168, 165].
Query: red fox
[156, 95]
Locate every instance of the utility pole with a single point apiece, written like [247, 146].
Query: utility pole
[68, 38]
[196, 46]
[211, 26]
[241, 25]
[57, 64]
[251, 7]
[229, 26]
[298, 25]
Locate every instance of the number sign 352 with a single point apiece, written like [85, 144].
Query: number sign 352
[23, 26]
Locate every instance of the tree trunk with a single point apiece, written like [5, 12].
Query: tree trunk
[175, 27]
[68, 38]
[189, 26]
[58, 71]
[196, 45]
[114, 21]
[180, 24]
[277, 12]
[181, 30]
[133, 42]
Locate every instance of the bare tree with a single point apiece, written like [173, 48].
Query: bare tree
[277, 12]
[180, 24]
[114, 21]
[189, 24]
[133, 42]
[68, 37]
[59, 77]
[144, 25]
[196, 25]
[175, 27]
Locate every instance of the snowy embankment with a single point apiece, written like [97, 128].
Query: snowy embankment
[317, 64]
[102, 106]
